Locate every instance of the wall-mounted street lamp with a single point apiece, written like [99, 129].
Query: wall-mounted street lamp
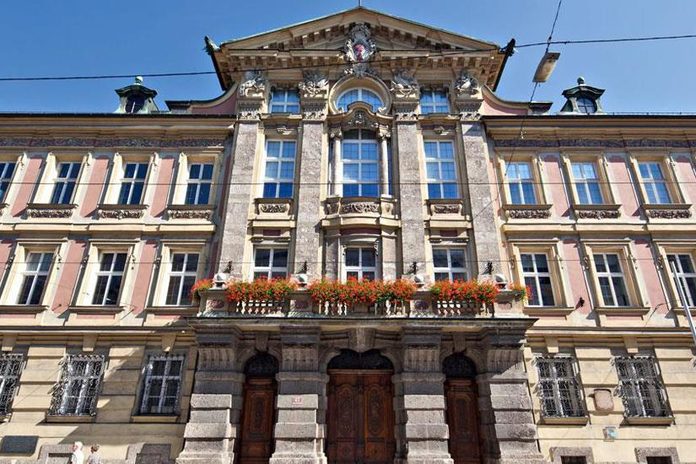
[546, 66]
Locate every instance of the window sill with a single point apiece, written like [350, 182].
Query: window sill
[537, 211]
[154, 419]
[547, 310]
[623, 310]
[666, 420]
[96, 309]
[49, 210]
[667, 210]
[564, 420]
[190, 212]
[105, 211]
[54, 419]
[22, 309]
[174, 310]
[602, 211]
[445, 206]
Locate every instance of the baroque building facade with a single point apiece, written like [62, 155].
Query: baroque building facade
[358, 145]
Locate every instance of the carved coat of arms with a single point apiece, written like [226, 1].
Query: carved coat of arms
[359, 46]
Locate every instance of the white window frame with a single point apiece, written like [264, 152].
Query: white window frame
[35, 274]
[11, 366]
[197, 182]
[439, 160]
[537, 275]
[360, 162]
[650, 183]
[292, 107]
[639, 385]
[360, 98]
[582, 183]
[62, 183]
[681, 277]
[360, 269]
[132, 182]
[110, 274]
[278, 179]
[560, 395]
[182, 275]
[610, 276]
[148, 378]
[450, 270]
[432, 107]
[519, 182]
[6, 176]
[15, 273]
[95, 373]
[272, 268]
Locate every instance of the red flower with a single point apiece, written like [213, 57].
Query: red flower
[465, 291]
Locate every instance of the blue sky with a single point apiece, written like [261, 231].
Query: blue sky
[85, 37]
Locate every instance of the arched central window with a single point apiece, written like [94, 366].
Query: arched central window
[359, 94]
[360, 164]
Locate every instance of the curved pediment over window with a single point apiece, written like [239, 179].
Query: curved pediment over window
[365, 90]
[359, 115]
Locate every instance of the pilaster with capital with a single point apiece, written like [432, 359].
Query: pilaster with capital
[216, 402]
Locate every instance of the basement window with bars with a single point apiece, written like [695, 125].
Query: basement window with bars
[77, 391]
[559, 389]
[162, 384]
[10, 369]
[640, 387]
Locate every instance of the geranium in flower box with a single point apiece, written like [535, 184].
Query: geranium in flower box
[199, 287]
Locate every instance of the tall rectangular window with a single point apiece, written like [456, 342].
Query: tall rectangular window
[10, 368]
[132, 184]
[77, 391]
[654, 182]
[587, 183]
[361, 263]
[685, 276]
[521, 183]
[6, 171]
[199, 181]
[612, 282]
[434, 101]
[537, 278]
[162, 384]
[559, 388]
[35, 276]
[280, 169]
[640, 387]
[182, 276]
[441, 171]
[449, 264]
[285, 101]
[65, 183]
[270, 263]
[360, 164]
[109, 278]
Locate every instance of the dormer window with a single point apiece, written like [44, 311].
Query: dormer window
[585, 105]
[136, 99]
[359, 94]
[285, 101]
[135, 103]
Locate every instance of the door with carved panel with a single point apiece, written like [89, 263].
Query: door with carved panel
[462, 410]
[360, 417]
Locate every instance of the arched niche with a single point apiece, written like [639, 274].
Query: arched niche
[362, 82]
[458, 366]
[372, 359]
[261, 365]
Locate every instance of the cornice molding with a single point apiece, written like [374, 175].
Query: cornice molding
[128, 142]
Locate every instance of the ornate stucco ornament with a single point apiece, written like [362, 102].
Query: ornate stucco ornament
[466, 85]
[359, 47]
[404, 85]
[253, 85]
[314, 85]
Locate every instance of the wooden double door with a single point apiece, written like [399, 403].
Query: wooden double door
[255, 444]
[360, 417]
[462, 418]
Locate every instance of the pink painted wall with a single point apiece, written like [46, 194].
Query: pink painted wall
[555, 188]
[96, 182]
[576, 275]
[646, 264]
[70, 272]
[5, 252]
[685, 172]
[491, 107]
[624, 189]
[223, 106]
[144, 276]
[28, 184]
[164, 183]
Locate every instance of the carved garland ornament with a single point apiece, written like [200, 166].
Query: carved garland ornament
[598, 214]
[529, 213]
[446, 209]
[120, 213]
[359, 208]
[668, 213]
[205, 214]
[51, 213]
[273, 207]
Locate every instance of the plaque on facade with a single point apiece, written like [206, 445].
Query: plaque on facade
[19, 444]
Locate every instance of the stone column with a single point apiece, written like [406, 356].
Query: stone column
[337, 166]
[241, 189]
[422, 393]
[216, 402]
[409, 187]
[508, 431]
[383, 136]
[299, 437]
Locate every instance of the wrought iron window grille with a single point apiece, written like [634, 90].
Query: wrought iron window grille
[10, 369]
[162, 385]
[77, 391]
[558, 388]
[640, 387]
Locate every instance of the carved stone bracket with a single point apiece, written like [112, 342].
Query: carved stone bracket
[120, 211]
[596, 211]
[668, 211]
[528, 211]
[51, 211]
[249, 110]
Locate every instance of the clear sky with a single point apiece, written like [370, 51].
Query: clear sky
[85, 37]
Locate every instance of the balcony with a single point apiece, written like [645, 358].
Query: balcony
[363, 211]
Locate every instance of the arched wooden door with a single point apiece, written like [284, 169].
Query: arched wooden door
[255, 444]
[462, 409]
[360, 412]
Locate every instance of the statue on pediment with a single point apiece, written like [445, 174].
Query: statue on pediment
[253, 84]
[359, 47]
[404, 85]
